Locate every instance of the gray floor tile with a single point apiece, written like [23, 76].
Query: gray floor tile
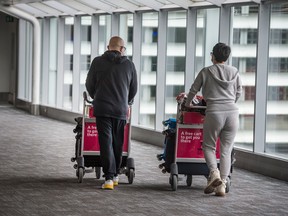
[37, 178]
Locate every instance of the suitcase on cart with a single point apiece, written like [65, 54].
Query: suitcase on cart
[87, 149]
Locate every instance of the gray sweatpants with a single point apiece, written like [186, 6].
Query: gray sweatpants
[223, 125]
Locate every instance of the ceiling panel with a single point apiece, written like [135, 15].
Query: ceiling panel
[96, 4]
[152, 4]
[182, 3]
[41, 8]
[79, 6]
[62, 7]
[45, 8]
[31, 10]
[123, 4]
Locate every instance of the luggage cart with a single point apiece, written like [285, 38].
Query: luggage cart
[87, 149]
[189, 156]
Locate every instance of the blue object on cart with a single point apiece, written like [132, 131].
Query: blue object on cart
[171, 123]
[169, 144]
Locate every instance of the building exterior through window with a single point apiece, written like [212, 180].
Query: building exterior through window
[170, 41]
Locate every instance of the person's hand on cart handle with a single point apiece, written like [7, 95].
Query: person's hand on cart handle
[181, 96]
[189, 105]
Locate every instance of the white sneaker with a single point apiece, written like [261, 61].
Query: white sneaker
[108, 185]
[115, 180]
[213, 181]
[221, 189]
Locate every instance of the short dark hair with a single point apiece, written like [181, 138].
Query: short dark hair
[221, 52]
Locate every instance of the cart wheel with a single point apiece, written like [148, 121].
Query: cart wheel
[228, 184]
[131, 175]
[174, 182]
[189, 180]
[80, 174]
[159, 157]
[98, 172]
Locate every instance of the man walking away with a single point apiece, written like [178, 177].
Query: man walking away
[112, 83]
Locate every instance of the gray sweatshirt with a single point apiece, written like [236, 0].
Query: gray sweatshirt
[221, 87]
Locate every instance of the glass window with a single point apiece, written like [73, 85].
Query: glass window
[252, 36]
[280, 36]
[104, 32]
[206, 36]
[68, 62]
[278, 65]
[25, 59]
[277, 93]
[126, 32]
[236, 36]
[175, 60]
[245, 34]
[85, 54]
[147, 90]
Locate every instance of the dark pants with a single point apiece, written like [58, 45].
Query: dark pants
[111, 137]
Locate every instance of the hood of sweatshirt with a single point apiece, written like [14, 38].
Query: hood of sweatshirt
[114, 56]
[223, 74]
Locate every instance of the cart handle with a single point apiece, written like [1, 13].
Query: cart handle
[85, 96]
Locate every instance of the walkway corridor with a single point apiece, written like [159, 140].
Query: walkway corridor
[37, 178]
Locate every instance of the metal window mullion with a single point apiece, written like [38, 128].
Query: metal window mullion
[225, 22]
[21, 60]
[261, 78]
[161, 67]
[94, 36]
[29, 71]
[115, 24]
[45, 60]
[211, 27]
[76, 64]
[137, 42]
[27, 77]
[60, 62]
[190, 48]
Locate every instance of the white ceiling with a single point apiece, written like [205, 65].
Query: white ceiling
[45, 8]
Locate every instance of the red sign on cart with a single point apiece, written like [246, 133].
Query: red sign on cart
[189, 143]
[91, 142]
[126, 138]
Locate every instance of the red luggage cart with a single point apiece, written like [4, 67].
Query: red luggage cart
[189, 156]
[87, 149]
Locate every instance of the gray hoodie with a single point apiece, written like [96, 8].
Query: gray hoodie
[221, 87]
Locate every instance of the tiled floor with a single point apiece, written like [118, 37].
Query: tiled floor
[37, 178]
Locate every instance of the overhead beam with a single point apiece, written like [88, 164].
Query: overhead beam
[216, 2]
[64, 8]
[200, 4]
[99, 5]
[182, 3]
[155, 5]
[45, 8]
[30, 10]
[241, 1]
[124, 5]
[79, 6]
